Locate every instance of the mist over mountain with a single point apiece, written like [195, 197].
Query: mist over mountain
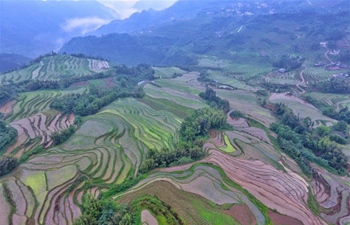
[258, 32]
[32, 28]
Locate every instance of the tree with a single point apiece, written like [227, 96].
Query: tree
[7, 164]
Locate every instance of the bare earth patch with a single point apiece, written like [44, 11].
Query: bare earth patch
[284, 96]
[242, 214]
[7, 109]
[285, 192]
[147, 218]
[279, 219]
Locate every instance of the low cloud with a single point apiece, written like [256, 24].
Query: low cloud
[125, 8]
[83, 25]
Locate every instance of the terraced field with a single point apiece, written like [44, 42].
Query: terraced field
[337, 100]
[31, 103]
[167, 72]
[107, 148]
[244, 178]
[176, 92]
[53, 67]
[301, 107]
[246, 102]
[39, 126]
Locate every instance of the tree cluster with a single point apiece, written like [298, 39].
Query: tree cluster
[327, 110]
[7, 135]
[334, 85]
[62, 136]
[305, 144]
[125, 80]
[192, 132]
[289, 62]
[34, 151]
[200, 122]
[7, 164]
[104, 212]
[215, 101]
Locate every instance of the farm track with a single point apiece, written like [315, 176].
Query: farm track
[302, 91]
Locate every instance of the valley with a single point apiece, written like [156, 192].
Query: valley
[216, 128]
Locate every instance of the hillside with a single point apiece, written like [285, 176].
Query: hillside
[220, 116]
[54, 23]
[12, 61]
[224, 30]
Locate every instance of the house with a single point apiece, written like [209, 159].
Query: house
[282, 70]
[323, 44]
[319, 64]
[341, 75]
[334, 52]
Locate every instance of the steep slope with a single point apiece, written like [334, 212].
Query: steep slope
[31, 28]
[257, 32]
[12, 61]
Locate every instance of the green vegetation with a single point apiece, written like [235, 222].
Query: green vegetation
[312, 202]
[98, 212]
[193, 130]
[34, 151]
[229, 148]
[133, 123]
[200, 122]
[8, 136]
[263, 208]
[334, 85]
[163, 212]
[304, 144]
[164, 104]
[342, 115]
[214, 101]
[7, 164]
[289, 62]
[98, 97]
[237, 114]
[123, 186]
[63, 135]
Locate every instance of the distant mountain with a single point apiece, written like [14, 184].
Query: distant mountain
[130, 50]
[12, 61]
[183, 9]
[32, 28]
[187, 9]
[240, 31]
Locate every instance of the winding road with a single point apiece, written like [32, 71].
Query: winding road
[302, 82]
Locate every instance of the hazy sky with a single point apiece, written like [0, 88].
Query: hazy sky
[127, 7]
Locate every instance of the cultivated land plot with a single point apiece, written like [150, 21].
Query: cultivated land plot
[189, 100]
[53, 67]
[219, 77]
[30, 103]
[193, 208]
[167, 72]
[337, 100]
[300, 107]
[246, 102]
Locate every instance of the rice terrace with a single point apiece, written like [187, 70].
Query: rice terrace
[222, 124]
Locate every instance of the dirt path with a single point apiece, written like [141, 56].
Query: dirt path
[302, 82]
[326, 55]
